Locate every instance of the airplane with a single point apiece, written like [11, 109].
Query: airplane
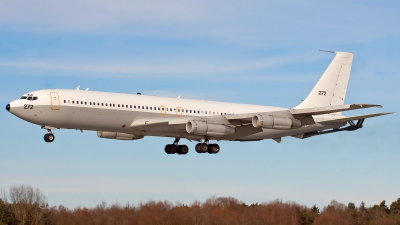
[134, 116]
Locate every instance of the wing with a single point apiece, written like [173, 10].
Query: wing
[235, 126]
[304, 115]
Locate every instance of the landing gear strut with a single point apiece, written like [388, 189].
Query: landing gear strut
[175, 148]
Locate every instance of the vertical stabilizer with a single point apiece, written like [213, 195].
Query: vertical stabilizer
[331, 87]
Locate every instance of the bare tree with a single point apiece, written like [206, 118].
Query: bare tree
[27, 204]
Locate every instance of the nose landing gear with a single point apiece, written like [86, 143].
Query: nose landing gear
[49, 137]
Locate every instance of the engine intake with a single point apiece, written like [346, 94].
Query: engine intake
[118, 135]
[203, 128]
[271, 122]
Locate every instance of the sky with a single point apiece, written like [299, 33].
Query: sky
[257, 52]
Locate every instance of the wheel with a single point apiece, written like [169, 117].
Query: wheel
[183, 149]
[49, 137]
[197, 148]
[204, 148]
[173, 149]
[213, 149]
[167, 149]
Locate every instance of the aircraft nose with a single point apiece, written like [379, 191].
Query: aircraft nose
[8, 107]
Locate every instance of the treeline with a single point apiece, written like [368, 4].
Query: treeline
[25, 205]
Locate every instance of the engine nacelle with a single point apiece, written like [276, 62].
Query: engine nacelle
[118, 135]
[272, 122]
[203, 128]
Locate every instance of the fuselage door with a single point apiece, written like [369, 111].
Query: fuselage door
[54, 101]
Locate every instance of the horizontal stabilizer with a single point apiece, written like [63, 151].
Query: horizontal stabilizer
[300, 113]
[346, 119]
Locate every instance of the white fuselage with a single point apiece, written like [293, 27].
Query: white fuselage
[115, 112]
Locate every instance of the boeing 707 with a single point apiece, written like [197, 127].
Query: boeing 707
[133, 116]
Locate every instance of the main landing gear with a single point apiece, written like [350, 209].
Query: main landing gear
[210, 148]
[175, 148]
[206, 147]
[200, 148]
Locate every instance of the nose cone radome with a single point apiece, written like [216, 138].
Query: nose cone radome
[8, 107]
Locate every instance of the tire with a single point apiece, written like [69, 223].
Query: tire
[204, 148]
[49, 138]
[179, 150]
[197, 148]
[213, 149]
[184, 149]
[173, 149]
[167, 149]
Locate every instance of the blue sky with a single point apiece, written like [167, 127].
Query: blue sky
[258, 52]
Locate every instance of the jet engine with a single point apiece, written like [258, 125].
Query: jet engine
[272, 122]
[203, 128]
[118, 135]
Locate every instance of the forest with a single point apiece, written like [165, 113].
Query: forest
[27, 205]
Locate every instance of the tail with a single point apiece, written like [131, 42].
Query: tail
[331, 87]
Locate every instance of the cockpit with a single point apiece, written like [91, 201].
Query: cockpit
[29, 97]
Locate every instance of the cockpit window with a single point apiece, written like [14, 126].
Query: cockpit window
[29, 97]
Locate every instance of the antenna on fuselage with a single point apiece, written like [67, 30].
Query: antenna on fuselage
[78, 87]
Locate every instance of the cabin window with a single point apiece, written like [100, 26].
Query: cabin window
[81, 103]
[142, 107]
[65, 101]
[68, 101]
[206, 112]
[131, 106]
[73, 102]
[118, 105]
[170, 109]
